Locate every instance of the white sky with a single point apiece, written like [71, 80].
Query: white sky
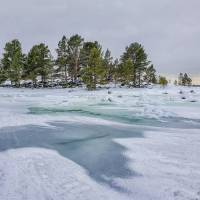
[169, 29]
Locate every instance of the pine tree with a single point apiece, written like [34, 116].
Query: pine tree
[187, 81]
[39, 63]
[184, 80]
[116, 73]
[126, 71]
[62, 56]
[180, 79]
[13, 61]
[86, 51]
[136, 53]
[109, 67]
[94, 72]
[75, 44]
[3, 75]
[150, 75]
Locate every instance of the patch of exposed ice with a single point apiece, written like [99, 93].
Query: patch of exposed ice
[42, 174]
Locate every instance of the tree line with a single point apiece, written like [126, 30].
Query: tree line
[184, 80]
[77, 61]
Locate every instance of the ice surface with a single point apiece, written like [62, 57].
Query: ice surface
[168, 163]
[39, 174]
[21, 106]
[165, 160]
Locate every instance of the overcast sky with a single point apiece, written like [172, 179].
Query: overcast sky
[169, 29]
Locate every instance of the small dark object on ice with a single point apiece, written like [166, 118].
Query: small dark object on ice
[119, 96]
[191, 91]
[193, 101]
[109, 92]
[136, 96]
[165, 93]
[109, 99]
[176, 193]
[180, 92]
[183, 98]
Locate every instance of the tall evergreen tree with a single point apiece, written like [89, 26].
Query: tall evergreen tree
[62, 56]
[3, 75]
[108, 63]
[136, 53]
[184, 80]
[150, 74]
[187, 81]
[39, 63]
[126, 71]
[86, 52]
[75, 44]
[180, 79]
[115, 74]
[94, 72]
[13, 61]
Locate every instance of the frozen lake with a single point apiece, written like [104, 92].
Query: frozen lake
[125, 144]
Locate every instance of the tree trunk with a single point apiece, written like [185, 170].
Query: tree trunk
[76, 70]
[134, 78]
[34, 83]
[139, 79]
[66, 74]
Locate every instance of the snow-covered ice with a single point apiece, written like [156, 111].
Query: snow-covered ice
[154, 133]
[39, 174]
[168, 163]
